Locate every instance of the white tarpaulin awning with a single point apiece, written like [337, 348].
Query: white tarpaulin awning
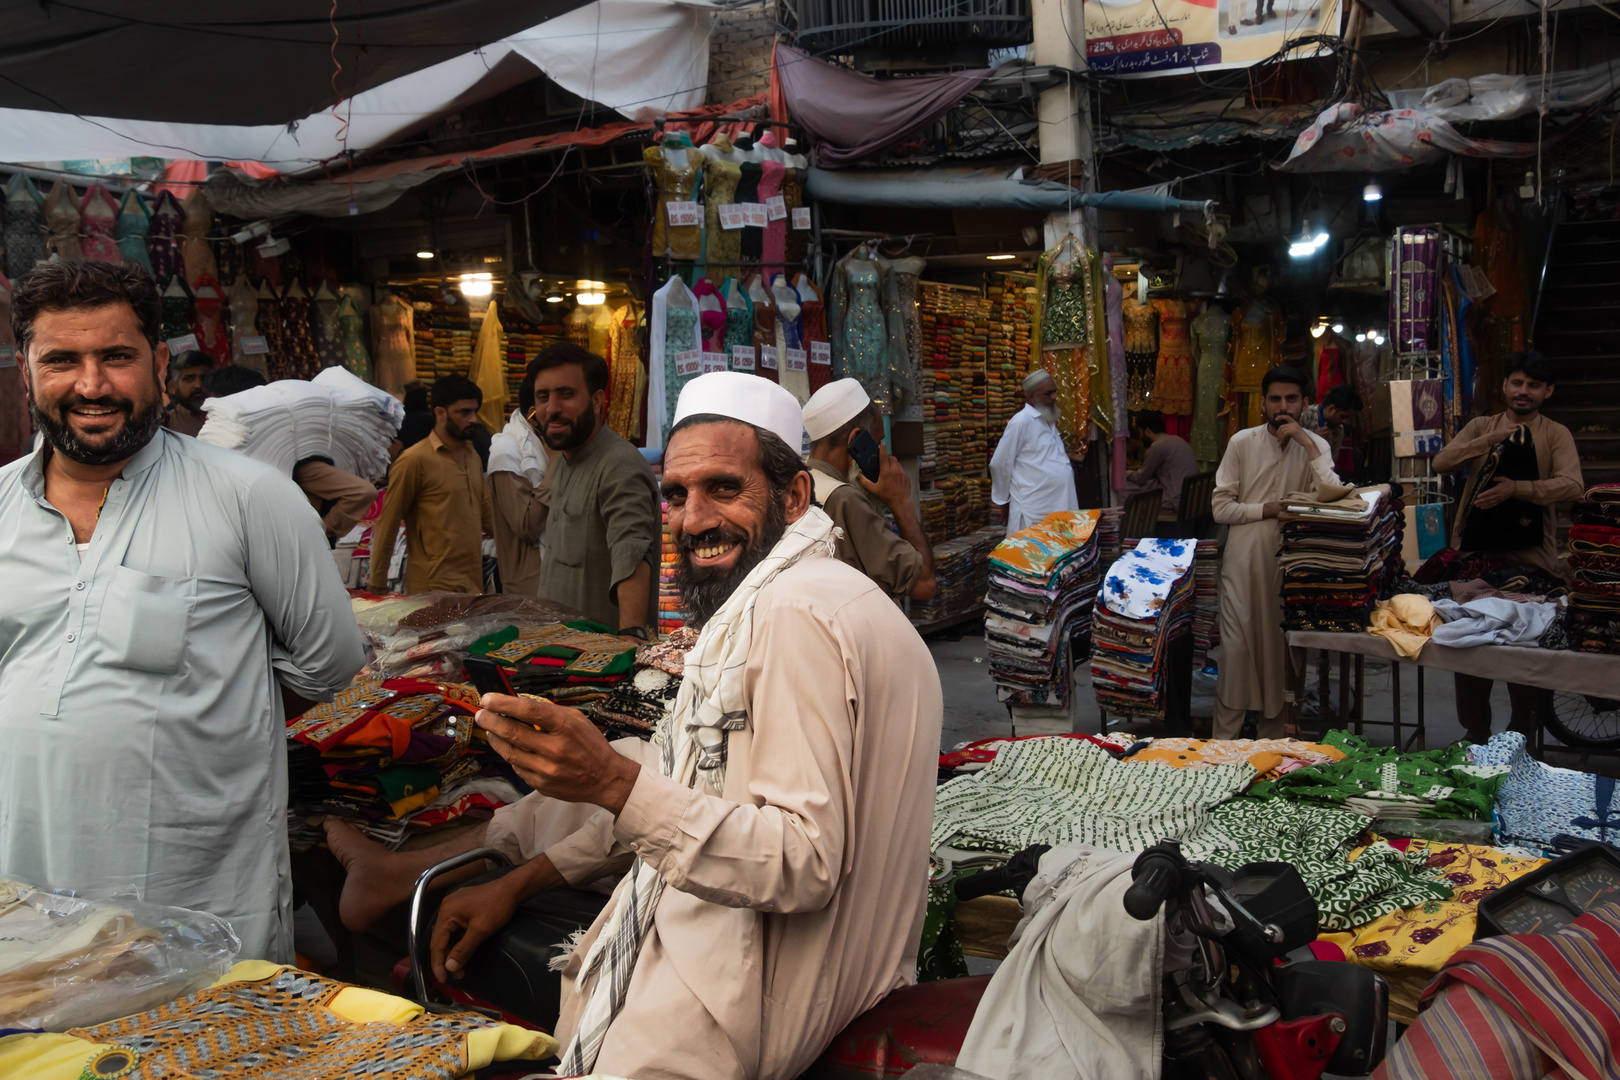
[642, 58]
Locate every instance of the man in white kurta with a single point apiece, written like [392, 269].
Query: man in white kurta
[142, 660]
[1261, 465]
[1030, 473]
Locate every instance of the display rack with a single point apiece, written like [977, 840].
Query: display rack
[1416, 474]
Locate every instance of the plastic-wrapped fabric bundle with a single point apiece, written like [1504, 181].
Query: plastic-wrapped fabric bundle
[335, 416]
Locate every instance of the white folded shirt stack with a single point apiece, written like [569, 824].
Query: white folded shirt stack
[336, 416]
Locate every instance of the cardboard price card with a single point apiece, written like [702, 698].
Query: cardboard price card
[689, 362]
[776, 208]
[714, 361]
[801, 217]
[767, 357]
[253, 345]
[183, 343]
[682, 214]
[731, 216]
[821, 353]
[795, 359]
[8, 356]
[754, 215]
[742, 358]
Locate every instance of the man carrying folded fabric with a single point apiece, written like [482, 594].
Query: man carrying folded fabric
[1261, 465]
[778, 840]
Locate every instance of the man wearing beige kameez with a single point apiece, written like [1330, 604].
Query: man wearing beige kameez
[1261, 465]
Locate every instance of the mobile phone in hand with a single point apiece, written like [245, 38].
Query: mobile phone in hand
[864, 449]
[488, 676]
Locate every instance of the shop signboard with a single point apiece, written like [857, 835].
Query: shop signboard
[1162, 37]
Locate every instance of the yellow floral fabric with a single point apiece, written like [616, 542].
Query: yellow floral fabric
[1267, 756]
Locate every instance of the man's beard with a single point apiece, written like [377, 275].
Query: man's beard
[136, 432]
[195, 402]
[1049, 413]
[704, 589]
[580, 431]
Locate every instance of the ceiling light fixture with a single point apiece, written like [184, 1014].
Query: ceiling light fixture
[1378, 339]
[1319, 329]
[424, 254]
[1338, 328]
[1361, 337]
[590, 299]
[477, 284]
[554, 297]
[1000, 258]
[1372, 192]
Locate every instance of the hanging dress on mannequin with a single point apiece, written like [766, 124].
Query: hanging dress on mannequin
[813, 329]
[130, 229]
[324, 327]
[1210, 332]
[62, 222]
[98, 217]
[722, 248]
[769, 362]
[682, 335]
[864, 332]
[711, 316]
[25, 226]
[1118, 372]
[162, 236]
[352, 339]
[175, 308]
[1071, 321]
[795, 360]
[297, 343]
[773, 239]
[1259, 329]
[208, 319]
[739, 325]
[242, 310]
[1173, 376]
[1141, 352]
[268, 320]
[15, 426]
[677, 179]
[796, 242]
[393, 347]
[625, 377]
[900, 305]
[1329, 366]
[229, 258]
[195, 252]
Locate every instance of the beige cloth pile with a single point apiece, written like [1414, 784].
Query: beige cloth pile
[1407, 620]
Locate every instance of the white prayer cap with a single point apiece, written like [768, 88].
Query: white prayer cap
[744, 397]
[833, 405]
[1035, 378]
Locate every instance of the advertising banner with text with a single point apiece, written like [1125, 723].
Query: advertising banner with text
[1161, 37]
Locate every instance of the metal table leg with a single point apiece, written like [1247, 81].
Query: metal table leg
[1395, 688]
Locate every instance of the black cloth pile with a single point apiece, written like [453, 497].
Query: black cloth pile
[1593, 619]
[1339, 558]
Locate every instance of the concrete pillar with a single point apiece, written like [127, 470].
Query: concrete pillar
[1064, 111]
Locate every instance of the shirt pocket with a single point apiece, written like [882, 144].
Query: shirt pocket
[144, 621]
[566, 532]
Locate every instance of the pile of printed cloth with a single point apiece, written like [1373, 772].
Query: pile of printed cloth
[336, 416]
[1593, 623]
[1340, 555]
[1043, 582]
[392, 755]
[428, 634]
[1145, 604]
[1206, 601]
[962, 570]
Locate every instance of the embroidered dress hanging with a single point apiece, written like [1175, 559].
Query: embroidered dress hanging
[208, 321]
[98, 217]
[163, 236]
[130, 229]
[1069, 280]
[15, 426]
[229, 258]
[268, 320]
[323, 321]
[677, 181]
[298, 347]
[626, 375]
[1172, 381]
[25, 226]
[722, 248]
[62, 222]
[352, 339]
[176, 308]
[195, 252]
[242, 317]
[1141, 352]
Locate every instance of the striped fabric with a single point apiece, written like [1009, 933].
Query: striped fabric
[1522, 1008]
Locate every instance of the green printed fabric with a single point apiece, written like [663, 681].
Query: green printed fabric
[1441, 777]
[1317, 841]
[1068, 791]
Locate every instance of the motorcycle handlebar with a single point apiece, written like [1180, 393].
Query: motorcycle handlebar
[1153, 885]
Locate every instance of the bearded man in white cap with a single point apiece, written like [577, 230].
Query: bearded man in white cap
[777, 840]
[1030, 474]
[901, 565]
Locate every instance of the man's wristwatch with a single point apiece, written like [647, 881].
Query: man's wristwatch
[634, 631]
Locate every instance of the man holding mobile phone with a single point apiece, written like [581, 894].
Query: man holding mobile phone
[849, 467]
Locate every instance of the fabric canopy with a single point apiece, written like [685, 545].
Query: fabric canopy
[642, 58]
[941, 189]
[855, 116]
[1346, 138]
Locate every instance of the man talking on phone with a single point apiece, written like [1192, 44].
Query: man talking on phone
[850, 467]
[1261, 465]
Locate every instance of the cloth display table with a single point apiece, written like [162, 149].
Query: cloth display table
[1596, 674]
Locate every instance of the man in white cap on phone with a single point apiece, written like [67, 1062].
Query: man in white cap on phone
[1030, 474]
[777, 837]
[849, 466]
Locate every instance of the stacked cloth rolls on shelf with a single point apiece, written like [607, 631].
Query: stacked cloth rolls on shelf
[962, 571]
[336, 416]
[1340, 555]
[1594, 563]
[1043, 585]
[671, 616]
[1206, 601]
[1146, 603]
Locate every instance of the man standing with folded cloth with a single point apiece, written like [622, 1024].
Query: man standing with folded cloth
[1261, 465]
[1030, 474]
[903, 565]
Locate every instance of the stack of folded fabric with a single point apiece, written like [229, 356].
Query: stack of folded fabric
[1594, 560]
[572, 663]
[670, 614]
[1339, 557]
[336, 416]
[1145, 604]
[962, 571]
[1206, 601]
[1043, 586]
[1108, 538]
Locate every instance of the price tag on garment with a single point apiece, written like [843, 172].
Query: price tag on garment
[8, 356]
[776, 208]
[801, 217]
[731, 216]
[796, 359]
[687, 363]
[253, 345]
[821, 353]
[714, 361]
[183, 343]
[742, 358]
[754, 215]
[684, 213]
[767, 357]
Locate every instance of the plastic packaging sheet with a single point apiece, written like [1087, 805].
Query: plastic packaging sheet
[68, 961]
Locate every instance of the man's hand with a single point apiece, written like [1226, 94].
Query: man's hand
[893, 486]
[1271, 509]
[1501, 433]
[998, 514]
[557, 751]
[1500, 491]
[477, 911]
[1290, 429]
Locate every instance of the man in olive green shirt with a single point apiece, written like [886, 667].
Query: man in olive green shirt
[437, 488]
[602, 535]
[901, 565]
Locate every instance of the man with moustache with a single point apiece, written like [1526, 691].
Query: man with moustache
[162, 597]
[437, 488]
[603, 532]
[777, 840]
[186, 394]
[1030, 474]
[1261, 465]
